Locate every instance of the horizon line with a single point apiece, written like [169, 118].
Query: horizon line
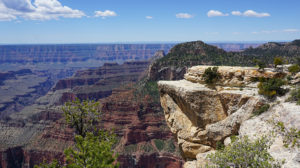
[149, 42]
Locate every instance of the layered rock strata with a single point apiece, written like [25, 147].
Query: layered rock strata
[38, 133]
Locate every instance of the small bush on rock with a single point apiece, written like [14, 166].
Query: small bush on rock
[244, 153]
[261, 65]
[278, 61]
[271, 87]
[211, 75]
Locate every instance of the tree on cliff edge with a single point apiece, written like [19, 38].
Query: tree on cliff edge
[93, 147]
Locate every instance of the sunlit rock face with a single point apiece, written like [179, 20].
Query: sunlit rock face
[200, 116]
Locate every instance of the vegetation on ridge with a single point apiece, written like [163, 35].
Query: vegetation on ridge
[198, 53]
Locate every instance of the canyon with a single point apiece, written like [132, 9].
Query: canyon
[38, 133]
[37, 80]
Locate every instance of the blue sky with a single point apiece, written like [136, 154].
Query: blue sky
[110, 21]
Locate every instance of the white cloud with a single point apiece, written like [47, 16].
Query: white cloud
[291, 30]
[149, 17]
[36, 10]
[214, 13]
[105, 14]
[250, 13]
[236, 13]
[183, 15]
[7, 17]
[20, 5]
[269, 31]
[6, 14]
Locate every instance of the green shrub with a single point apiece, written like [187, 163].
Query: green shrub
[233, 138]
[93, 147]
[220, 145]
[271, 87]
[94, 151]
[243, 153]
[211, 75]
[295, 96]
[278, 61]
[53, 164]
[294, 69]
[262, 109]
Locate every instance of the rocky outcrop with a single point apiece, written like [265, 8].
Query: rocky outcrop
[232, 76]
[200, 116]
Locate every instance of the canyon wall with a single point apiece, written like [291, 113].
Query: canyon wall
[200, 116]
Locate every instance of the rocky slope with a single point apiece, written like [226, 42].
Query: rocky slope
[21, 88]
[200, 116]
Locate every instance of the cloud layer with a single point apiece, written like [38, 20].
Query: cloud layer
[183, 15]
[247, 13]
[53, 9]
[149, 17]
[105, 14]
[36, 10]
[250, 13]
[214, 13]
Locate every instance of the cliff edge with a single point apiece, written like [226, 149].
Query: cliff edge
[200, 117]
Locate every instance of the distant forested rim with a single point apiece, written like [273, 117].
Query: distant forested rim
[198, 53]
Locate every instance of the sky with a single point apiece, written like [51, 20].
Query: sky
[147, 21]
